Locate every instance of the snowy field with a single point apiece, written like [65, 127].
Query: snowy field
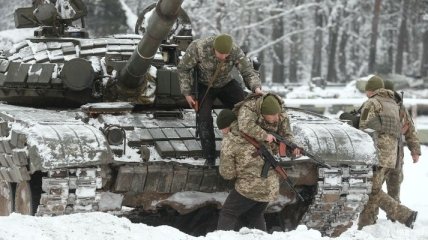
[91, 226]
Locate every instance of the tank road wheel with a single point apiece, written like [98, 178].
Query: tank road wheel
[6, 198]
[23, 198]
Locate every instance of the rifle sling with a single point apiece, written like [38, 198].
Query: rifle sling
[210, 83]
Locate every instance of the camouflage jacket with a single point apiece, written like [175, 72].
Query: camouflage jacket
[237, 162]
[253, 124]
[408, 130]
[381, 113]
[200, 55]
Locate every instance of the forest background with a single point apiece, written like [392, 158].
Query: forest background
[295, 40]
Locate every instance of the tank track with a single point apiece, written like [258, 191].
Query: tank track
[70, 191]
[341, 194]
[80, 190]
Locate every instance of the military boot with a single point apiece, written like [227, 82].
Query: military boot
[411, 220]
[208, 142]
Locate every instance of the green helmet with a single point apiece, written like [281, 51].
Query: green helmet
[270, 106]
[223, 43]
[388, 85]
[225, 118]
[374, 83]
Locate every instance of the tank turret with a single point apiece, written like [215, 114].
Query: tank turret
[62, 67]
[53, 17]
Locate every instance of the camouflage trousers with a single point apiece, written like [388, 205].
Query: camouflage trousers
[378, 198]
[393, 179]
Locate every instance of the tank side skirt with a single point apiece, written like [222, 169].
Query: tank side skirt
[341, 194]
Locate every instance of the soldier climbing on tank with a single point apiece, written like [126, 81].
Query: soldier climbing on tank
[253, 191]
[381, 113]
[213, 58]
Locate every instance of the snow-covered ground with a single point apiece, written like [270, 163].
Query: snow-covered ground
[91, 226]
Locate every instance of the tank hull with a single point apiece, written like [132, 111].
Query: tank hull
[159, 165]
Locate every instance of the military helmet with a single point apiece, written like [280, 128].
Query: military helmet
[223, 43]
[388, 85]
[225, 118]
[270, 105]
[374, 83]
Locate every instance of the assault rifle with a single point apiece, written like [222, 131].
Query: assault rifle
[270, 161]
[303, 151]
[353, 117]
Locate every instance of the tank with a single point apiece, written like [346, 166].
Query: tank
[95, 124]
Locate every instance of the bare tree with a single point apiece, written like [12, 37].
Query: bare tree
[333, 33]
[318, 42]
[374, 36]
[402, 37]
[424, 63]
[295, 45]
[342, 46]
[278, 71]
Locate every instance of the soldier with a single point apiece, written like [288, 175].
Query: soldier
[213, 58]
[252, 193]
[394, 178]
[381, 113]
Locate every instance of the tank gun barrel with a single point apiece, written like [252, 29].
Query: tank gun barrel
[159, 25]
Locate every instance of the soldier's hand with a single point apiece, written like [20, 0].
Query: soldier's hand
[191, 101]
[258, 91]
[404, 128]
[415, 158]
[270, 138]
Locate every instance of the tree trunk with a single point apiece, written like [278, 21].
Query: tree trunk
[373, 38]
[317, 52]
[219, 16]
[342, 50]
[278, 71]
[331, 69]
[295, 47]
[332, 47]
[414, 13]
[355, 57]
[424, 63]
[261, 54]
[402, 38]
[342, 57]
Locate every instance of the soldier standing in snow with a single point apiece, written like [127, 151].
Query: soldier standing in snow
[394, 178]
[213, 58]
[252, 193]
[381, 113]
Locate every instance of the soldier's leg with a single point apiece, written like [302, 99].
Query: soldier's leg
[255, 216]
[395, 210]
[392, 207]
[234, 207]
[369, 214]
[393, 182]
[231, 94]
[206, 127]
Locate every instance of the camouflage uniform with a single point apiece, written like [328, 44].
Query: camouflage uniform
[381, 113]
[200, 56]
[395, 177]
[252, 192]
[252, 123]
